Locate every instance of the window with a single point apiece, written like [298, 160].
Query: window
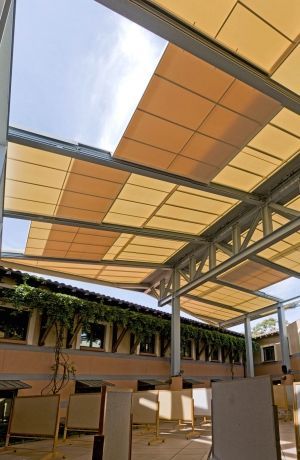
[186, 349]
[214, 354]
[6, 401]
[269, 353]
[147, 345]
[93, 337]
[237, 357]
[13, 324]
[224, 354]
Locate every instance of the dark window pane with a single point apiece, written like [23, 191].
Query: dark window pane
[269, 353]
[215, 354]
[13, 324]
[147, 345]
[93, 336]
[186, 349]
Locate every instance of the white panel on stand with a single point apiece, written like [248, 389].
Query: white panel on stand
[244, 420]
[117, 425]
[202, 401]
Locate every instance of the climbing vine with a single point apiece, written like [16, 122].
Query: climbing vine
[67, 313]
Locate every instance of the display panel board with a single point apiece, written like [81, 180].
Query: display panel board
[176, 405]
[35, 416]
[84, 412]
[244, 420]
[202, 401]
[144, 407]
[280, 396]
[117, 425]
[296, 387]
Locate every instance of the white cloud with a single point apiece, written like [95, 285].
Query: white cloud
[118, 70]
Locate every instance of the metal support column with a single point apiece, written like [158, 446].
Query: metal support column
[212, 257]
[6, 40]
[285, 353]
[236, 239]
[249, 350]
[267, 220]
[175, 327]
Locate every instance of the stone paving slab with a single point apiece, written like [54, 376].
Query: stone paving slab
[175, 447]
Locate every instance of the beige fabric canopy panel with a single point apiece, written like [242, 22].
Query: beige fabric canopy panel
[196, 122]
[274, 47]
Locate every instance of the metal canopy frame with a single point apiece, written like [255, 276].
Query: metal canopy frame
[104, 158]
[225, 235]
[215, 270]
[158, 21]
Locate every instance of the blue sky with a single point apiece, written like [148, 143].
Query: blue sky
[79, 72]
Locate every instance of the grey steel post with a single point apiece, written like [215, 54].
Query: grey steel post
[212, 256]
[175, 327]
[249, 350]
[236, 238]
[6, 40]
[285, 353]
[267, 220]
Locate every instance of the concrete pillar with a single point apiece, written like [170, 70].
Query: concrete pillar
[285, 352]
[249, 350]
[175, 328]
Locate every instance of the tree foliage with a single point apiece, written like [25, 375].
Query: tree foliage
[267, 326]
[67, 312]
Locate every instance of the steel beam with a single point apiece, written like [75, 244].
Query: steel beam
[65, 260]
[149, 232]
[213, 303]
[285, 353]
[284, 211]
[282, 191]
[7, 12]
[46, 272]
[213, 321]
[5, 8]
[249, 350]
[227, 249]
[104, 158]
[173, 29]
[175, 328]
[270, 309]
[247, 291]
[274, 266]
[265, 242]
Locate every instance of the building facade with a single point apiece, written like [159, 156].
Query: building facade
[268, 359]
[103, 351]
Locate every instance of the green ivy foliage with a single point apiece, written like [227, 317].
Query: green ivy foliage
[64, 309]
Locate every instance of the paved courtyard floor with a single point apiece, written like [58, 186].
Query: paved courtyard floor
[175, 447]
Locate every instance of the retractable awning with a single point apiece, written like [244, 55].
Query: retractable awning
[94, 383]
[193, 381]
[154, 382]
[7, 385]
[200, 198]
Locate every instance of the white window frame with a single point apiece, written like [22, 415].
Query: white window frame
[263, 356]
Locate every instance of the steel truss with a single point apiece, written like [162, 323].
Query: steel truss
[256, 209]
[225, 235]
[192, 267]
[288, 304]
